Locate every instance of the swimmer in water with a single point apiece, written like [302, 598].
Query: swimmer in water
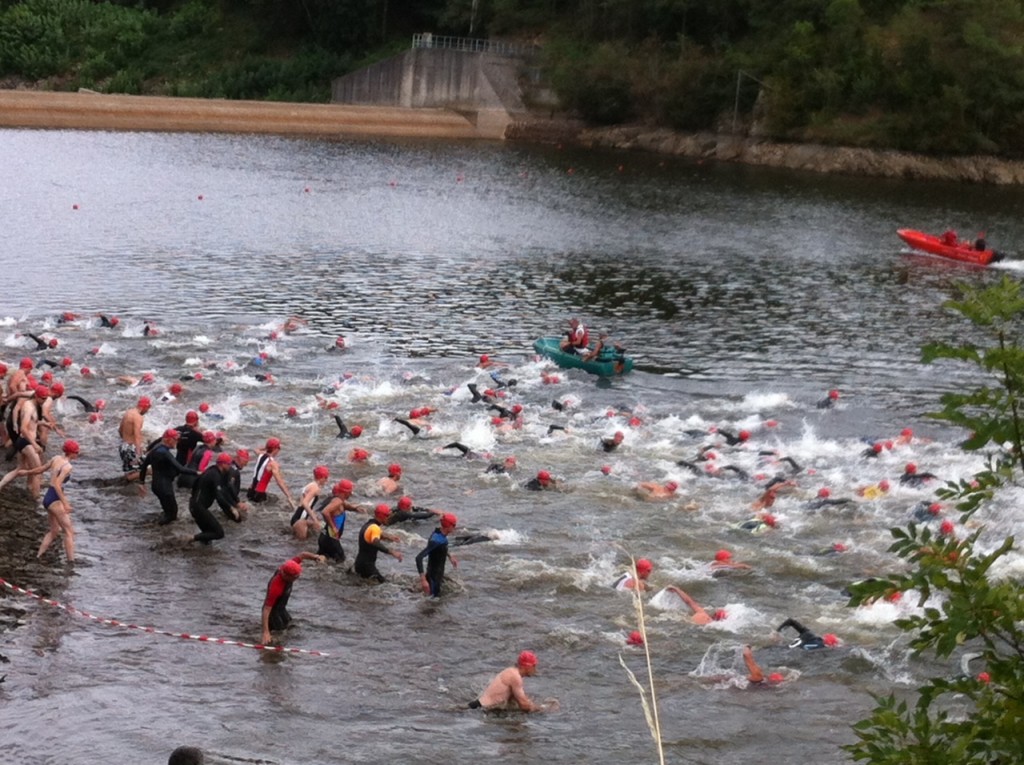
[266, 469]
[825, 499]
[699, 616]
[541, 482]
[611, 444]
[651, 491]
[130, 430]
[806, 639]
[506, 466]
[506, 689]
[344, 431]
[723, 564]
[165, 469]
[830, 400]
[757, 525]
[405, 511]
[911, 476]
[628, 582]
[207, 490]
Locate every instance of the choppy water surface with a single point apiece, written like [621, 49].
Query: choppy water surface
[744, 294]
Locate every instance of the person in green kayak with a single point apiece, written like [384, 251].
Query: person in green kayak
[577, 339]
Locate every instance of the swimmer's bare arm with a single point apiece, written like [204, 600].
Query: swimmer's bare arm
[275, 471]
[519, 694]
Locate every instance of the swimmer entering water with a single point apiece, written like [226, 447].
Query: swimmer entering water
[507, 688]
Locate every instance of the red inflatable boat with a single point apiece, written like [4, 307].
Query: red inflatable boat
[947, 246]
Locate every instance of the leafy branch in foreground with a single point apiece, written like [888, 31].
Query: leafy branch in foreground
[978, 717]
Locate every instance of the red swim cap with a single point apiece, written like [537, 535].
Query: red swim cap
[635, 422]
[147, 377]
[359, 455]
[85, 371]
[273, 443]
[242, 455]
[775, 677]
[824, 492]
[175, 389]
[672, 486]
[606, 469]
[53, 342]
[114, 321]
[70, 447]
[381, 511]
[934, 508]
[42, 391]
[883, 485]
[484, 358]
[497, 421]
[3, 370]
[57, 390]
[635, 638]
[644, 568]
[26, 363]
[405, 503]
[204, 407]
[339, 342]
[320, 472]
[292, 411]
[769, 519]
[839, 547]
[224, 459]
[744, 435]
[144, 403]
[906, 432]
[720, 615]
[830, 640]
[191, 417]
[527, 659]
[344, 486]
[209, 437]
[394, 470]
[543, 476]
[66, 362]
[910, 469]
[356, 431]
[833, 394]
[517, 408]
[448, 520]
[94, 417]
[171, 434]
[947, 527]
[291, 568]
[723, 555]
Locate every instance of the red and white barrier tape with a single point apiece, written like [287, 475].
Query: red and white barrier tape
[154, 630]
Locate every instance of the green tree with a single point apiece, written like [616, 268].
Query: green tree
[977, 718]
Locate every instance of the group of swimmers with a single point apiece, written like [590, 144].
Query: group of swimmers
[196, 460]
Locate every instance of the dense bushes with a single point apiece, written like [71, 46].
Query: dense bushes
[942, 76]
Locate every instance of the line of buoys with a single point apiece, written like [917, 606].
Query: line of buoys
[154, 631]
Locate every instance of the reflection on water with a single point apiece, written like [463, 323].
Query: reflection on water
[744, 296]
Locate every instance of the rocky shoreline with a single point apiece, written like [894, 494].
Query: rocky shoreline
[755, 151]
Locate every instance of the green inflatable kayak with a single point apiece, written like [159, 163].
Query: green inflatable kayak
[608, 363]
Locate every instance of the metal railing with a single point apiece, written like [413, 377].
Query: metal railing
[469, 44]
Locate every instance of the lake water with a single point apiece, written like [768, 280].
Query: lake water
[744, 295]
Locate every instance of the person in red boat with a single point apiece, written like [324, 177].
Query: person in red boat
[949, 238]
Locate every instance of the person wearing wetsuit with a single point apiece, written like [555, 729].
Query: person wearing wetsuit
[911, 477]
[204, 494]
[540, 482]
[370, 544]
[807, 639]
[404, 511]
[229, 495]
[165, 470]
[436, 555]
[189, 437]
[275, 614]
[611, 444]
[344, 431]
[199, 459]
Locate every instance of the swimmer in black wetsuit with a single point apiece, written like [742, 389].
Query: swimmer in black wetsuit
[540, 482]
[41, 344]
[414, 428]
[807, 639]
[913, 478]
[872, 451]
[825, 499]
[206, 491]
[344, 431]
[829, 401]
[466, 451]
[406, 511]
[611, 444]
[85, 404]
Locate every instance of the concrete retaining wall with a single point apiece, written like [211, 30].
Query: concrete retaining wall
[434, 78]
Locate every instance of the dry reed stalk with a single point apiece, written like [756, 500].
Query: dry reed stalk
[650, 706]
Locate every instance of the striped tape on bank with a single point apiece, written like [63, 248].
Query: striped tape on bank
[155, 631]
